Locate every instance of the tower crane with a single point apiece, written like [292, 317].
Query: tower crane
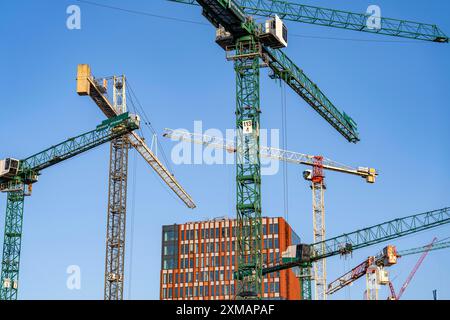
[302, 254]
[386, 258]
[251, 46]
[411, 275]
[97, 89]
[316, 176]
[18, 176]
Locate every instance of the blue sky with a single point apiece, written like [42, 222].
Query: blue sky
[397, 92]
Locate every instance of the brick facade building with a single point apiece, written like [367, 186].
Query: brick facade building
[198, 260]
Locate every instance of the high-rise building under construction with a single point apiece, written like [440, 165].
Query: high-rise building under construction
[198, 260]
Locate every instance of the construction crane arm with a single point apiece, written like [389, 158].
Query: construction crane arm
[342, 19]
[297, 12]
[286, 70]
[349, 242]
[227, 13]
[414, 270]
[379, 233]
[87, 85]
[348, 278]
[438, 245]
[273, 153]
[108, 130]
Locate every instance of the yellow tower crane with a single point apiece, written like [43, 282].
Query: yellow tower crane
[97, 89]
[316, 176]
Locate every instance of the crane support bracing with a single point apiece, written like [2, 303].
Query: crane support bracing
[248, 169]
[369, 174]
[19, 186]
[296, 12]
[414, 270]
[346, 243]
[286, 70]
[435, 246]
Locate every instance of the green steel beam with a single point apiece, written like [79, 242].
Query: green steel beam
[379, 233]
[12, 245]
[434, 246]
[342, 19]
[338, 19]
[15, 187]
[107, 131]
[285, 69]
[305, 282]
[349, 242]
[248, 169]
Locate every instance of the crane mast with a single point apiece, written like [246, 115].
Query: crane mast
[117, 202]
[18, 185]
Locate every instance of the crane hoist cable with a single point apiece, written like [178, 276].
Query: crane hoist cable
[132, 222]
[284, 146]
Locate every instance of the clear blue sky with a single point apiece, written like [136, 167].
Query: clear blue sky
[397, 92]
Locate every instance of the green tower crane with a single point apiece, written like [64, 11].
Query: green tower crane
[18, 176]
[247, 44]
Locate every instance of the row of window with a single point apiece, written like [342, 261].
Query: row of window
[214, 261]
[201, 276]
[214, 233]
[215, 247]
[199, 291]
[211, 291]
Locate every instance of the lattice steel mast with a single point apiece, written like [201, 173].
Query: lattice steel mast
[117, 202]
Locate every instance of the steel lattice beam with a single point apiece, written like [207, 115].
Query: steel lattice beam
[116, 219]
[12, 245]
[297, 12]
[379, 233]
[248, 170]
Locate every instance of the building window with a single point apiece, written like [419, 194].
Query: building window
[182, 235]
[266, 287]
[276, 243]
